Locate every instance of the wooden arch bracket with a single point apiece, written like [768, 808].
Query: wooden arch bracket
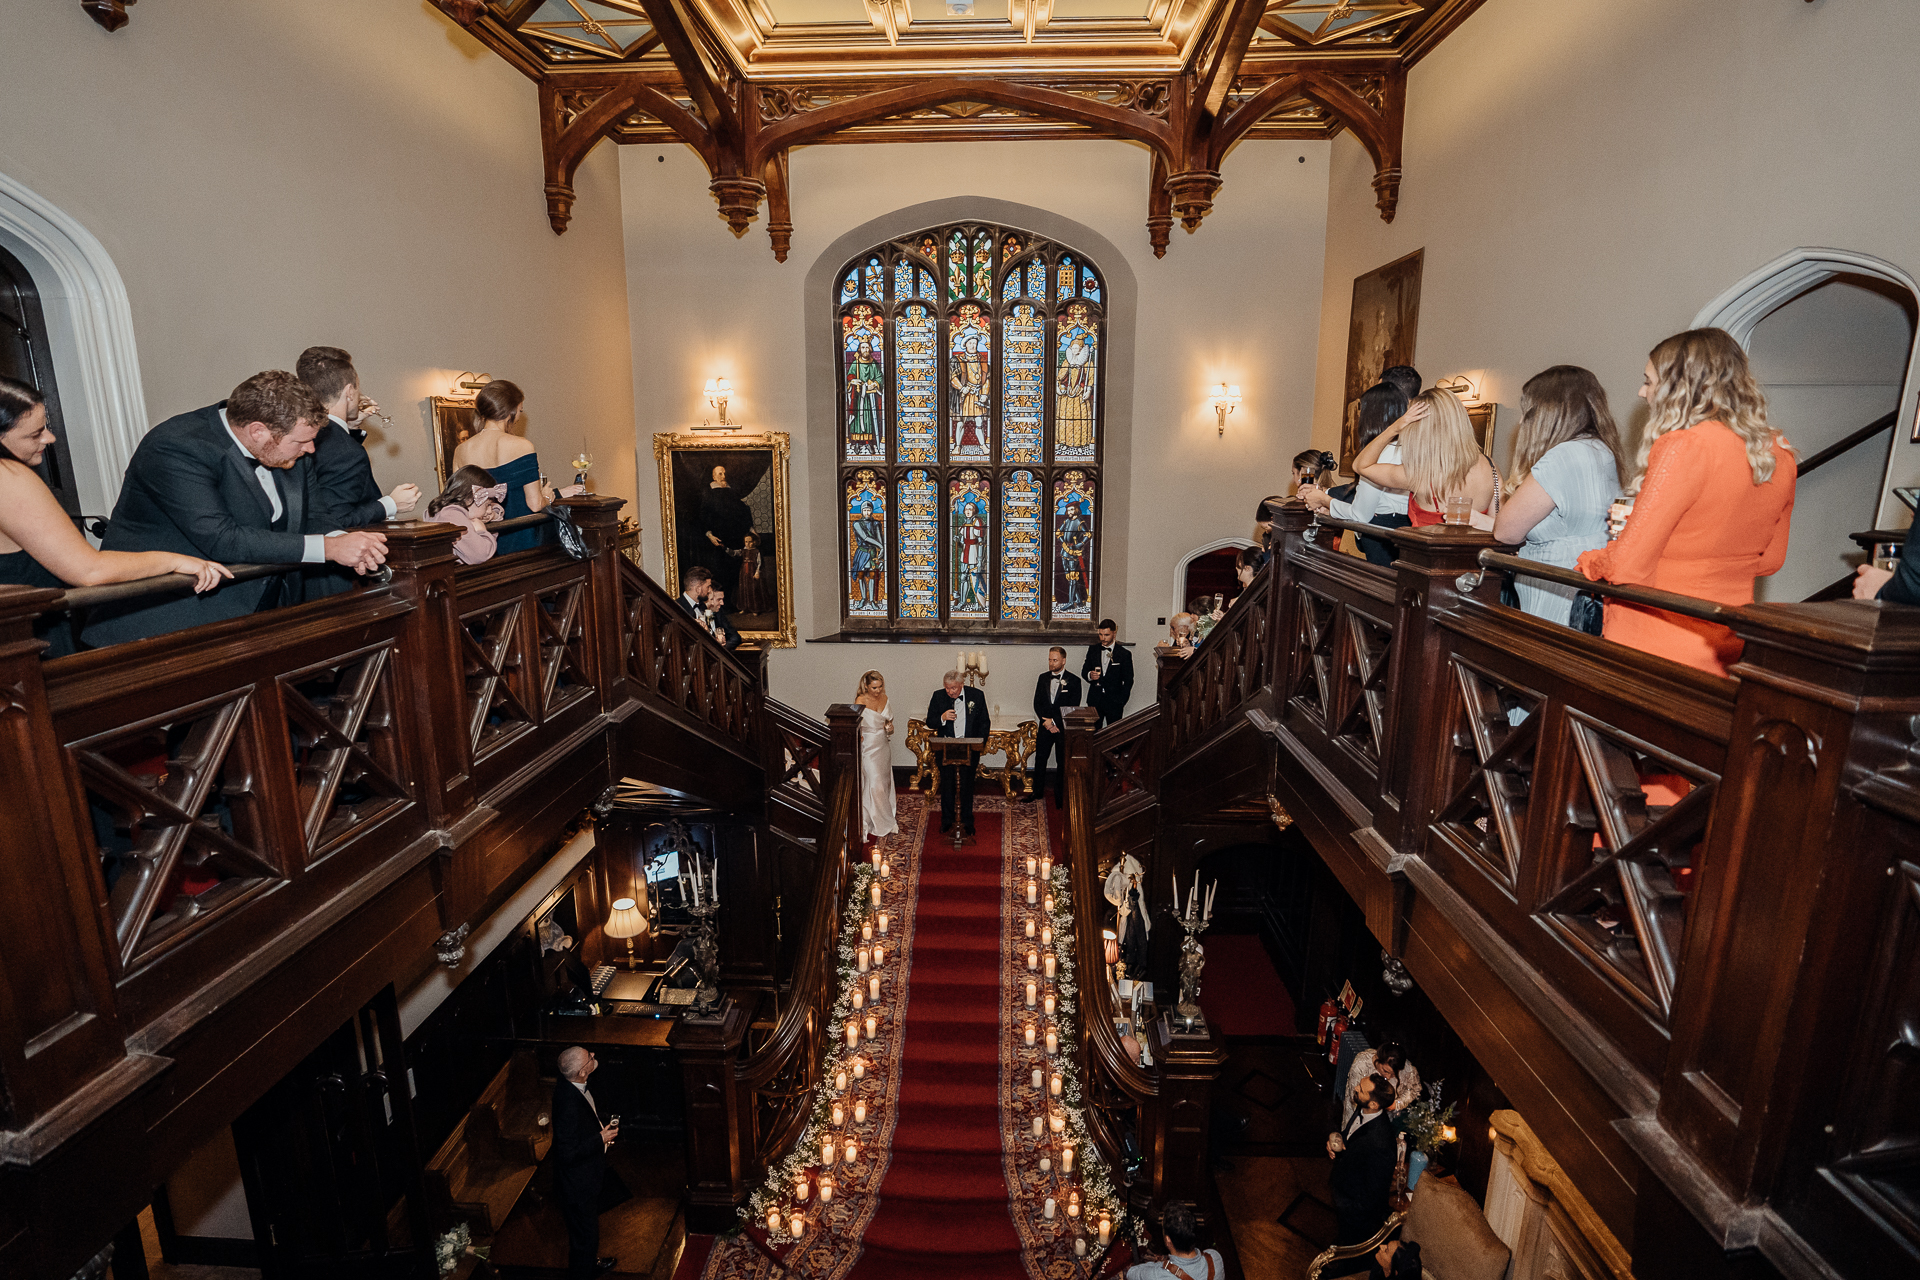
[111, 14]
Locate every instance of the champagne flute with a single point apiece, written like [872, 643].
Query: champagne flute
[366, 407]
[1886, 555]
[582, 462]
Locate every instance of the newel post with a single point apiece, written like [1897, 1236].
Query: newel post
[1290, 527]
[432, 685]
[707, 1047]
[604, 623]
[843, 753]
[1189, 1062]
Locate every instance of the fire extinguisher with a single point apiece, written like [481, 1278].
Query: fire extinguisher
[1334, 1038]
[1325, 1025]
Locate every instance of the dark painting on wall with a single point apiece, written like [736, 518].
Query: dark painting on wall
[724, 507]
[1380, 334]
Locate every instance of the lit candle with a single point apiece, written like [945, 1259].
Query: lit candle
[797, 1225]
[879, 955]
[826, 1151]
[861, 957]
[1079, 1246]
[800, 1188]
[853, 1038]
[873, 1025]
[1066, 1158]
[1033, 992]
[886, 870]
[1106, 1226]
[1046, 1165]
[1053, 1085]
[1046, 867]
[859, 1068]
[876, 896]
[773, 1220]
[852, 1151]
[1033, 892]
[1047, 1209]
[866, 931]
[1049, 904]
[826, 1188]
[1037, 1073]
[1073, 1204]
[1029, 926]
[1053, 1040]
[1032, 862]
[873, 988]
[1056, 1121]
[839, 1116]
[1033, 959]
[1046, 936]
[1049, 964]
[1047, 1001]
[1029, 1035]
[1038, 1124]
[876, 857]
[840, 1080]
[860, 1111]
[859, 1001]
[883, 922]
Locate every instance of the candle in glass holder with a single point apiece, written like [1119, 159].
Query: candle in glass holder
[873, 1025]
[1047, 1001]
[1047, 1209]
[1046, 936]
[797, 1225]
[861, 957]
[1046, 867]
[876, 893]
[826, 1188]
[859, 1068]
[1049, 964]
[826, 1151]
[873, 988]
[866, 931]
[1046, 1165]
[800, 1188]
[1049, 904]
[1066, 1158]
[874, 857]
[1033, 993]
[886, 870]
[883, 922]
[1056, 1121]
[839, 1115]
[1038, 1124]
[1029, 1034]
[853, 1037]
[1037, 1075]
[1032, 862]
[1053, 1040]
[859, 1000]
[860, 1111]
[1053, 1086]
[773, 1220]
[1033, 959]
[852, 1150]
[1106, 1226]
[840, 1080]
[1029, 926]
[879, 955]
[1073, 1204]
[1033, 892]
[1079, 1246]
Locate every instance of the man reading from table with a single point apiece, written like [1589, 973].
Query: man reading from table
[957, 712]
[581, 1136]
[1055, 691]
[1109, 673]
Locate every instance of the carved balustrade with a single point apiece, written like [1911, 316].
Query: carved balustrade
[674, 668]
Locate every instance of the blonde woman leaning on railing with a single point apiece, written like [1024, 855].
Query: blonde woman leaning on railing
[39, 547]
[1448, 478]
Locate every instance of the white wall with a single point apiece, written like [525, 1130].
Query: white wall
[1236, 302]
[360, 173]
[1586, 177]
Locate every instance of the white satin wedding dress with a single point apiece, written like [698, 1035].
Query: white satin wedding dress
[876, 773]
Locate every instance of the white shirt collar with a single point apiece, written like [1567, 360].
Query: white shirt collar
[1365, 1118]
[238, 442]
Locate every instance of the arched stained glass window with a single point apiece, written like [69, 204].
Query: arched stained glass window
[970, 427]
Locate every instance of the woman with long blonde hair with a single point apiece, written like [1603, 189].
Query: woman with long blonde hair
[1440, 459]
[877, 813]
[1712, 483]
[1566, 470]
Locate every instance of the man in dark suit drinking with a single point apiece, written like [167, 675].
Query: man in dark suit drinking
[1363, 1158]
[1109, 673]
[1056, 690]
[581, 1136]
[957, 712]
[229, 483]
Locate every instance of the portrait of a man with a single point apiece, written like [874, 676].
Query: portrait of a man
[725, 509]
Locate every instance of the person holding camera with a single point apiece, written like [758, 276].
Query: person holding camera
[1184, 1259]
[580, 1141]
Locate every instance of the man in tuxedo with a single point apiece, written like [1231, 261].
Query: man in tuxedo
[232, 483]
[1055, 691]
[695, 582]
[1109, 674]
[957, 712]
[1364, 1154]
[345, 494]
[717, 618]
[581, 1136]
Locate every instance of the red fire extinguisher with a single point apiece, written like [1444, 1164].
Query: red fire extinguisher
[1325, 1025]
[1333, 1039]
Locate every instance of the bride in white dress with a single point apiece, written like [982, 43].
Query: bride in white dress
[876, 758]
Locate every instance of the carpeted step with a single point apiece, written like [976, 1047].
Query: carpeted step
[984, 1092]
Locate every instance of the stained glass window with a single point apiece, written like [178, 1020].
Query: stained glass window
[971, 410]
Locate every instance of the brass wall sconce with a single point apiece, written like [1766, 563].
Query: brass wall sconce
[717, 392]
[467, 384]
[1225, 396]
[1461, 385]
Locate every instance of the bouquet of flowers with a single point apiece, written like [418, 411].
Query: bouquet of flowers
[1428, 1126]
[454, 1245]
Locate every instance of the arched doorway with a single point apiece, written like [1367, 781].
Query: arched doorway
[1207, 571]
[1831, 336]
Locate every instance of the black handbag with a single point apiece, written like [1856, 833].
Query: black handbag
[572, 541]
[1588, 613]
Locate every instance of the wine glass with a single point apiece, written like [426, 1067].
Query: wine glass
[582, 463]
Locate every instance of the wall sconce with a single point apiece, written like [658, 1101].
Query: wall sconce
[467, 383]
[1461, 385]
[1225, 397]
[627, 921]
[717, 391]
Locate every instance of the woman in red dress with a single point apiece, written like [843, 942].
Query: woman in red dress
[1440, 458]
[1714, 485]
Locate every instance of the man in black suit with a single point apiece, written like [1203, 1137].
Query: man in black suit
[717, 618]
[695, 582]
[1109, 674]
[957, 712]
[1363, 1159]
[344, 489]
[581, 1136]
[231, 483]
[1055, 690]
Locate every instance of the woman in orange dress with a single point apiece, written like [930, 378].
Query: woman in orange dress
[1714, 505]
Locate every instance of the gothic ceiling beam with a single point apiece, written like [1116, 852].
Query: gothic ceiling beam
[573, 120]
[1214, 75]
[111, 14]
[779, 206]
[706, 84]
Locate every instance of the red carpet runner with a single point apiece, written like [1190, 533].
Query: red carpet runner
[943, 1206]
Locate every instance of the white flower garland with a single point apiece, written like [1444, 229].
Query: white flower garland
[1097, 1191]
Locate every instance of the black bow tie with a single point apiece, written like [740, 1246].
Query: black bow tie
[359, 436]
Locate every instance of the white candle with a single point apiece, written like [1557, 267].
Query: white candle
[1032, 862]
[883, 922]
[1053, 1084]
[1033, 960]
[879, 955]
[1046, 936]
[861, 957]
[1066, 1158]
[1048, 905]
[1046, 1165]
[886, 870]
[800, 1188]
[852, 1151]
[826, 1151]
[826, 1188]
[840, 1080]
[839, 1116]
[872, 1025]
[1192, 905]
[1029, 1035]
[1053, 1040]
[1033, 892]
[773, 1220]
[873, 988]
[1038, 1124]
[876, 896]
[875, 857]
[797, 1225]
[853, 1039]
[1056, 1121]
[1048, 1003]
[1047, 1209]
[1029, 926]
[1073, 1204]
[1106, 1228]
[866, 931]
[1046, 867]
[859, 1068]
[860, 1112]
[859, 1001]
[1033, 991]
[1036, 1084]
[1079, 1246]
[1049, 964]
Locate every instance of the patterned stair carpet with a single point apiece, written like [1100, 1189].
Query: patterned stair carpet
[943, 1205]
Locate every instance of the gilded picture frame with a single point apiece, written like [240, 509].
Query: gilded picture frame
[452, 423]
[705, 522]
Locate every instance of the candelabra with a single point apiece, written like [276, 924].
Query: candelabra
[706, 956]
[1192, 961]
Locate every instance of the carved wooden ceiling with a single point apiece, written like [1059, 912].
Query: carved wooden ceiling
[743, 82]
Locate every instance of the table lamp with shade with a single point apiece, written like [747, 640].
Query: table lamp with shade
[629, 922]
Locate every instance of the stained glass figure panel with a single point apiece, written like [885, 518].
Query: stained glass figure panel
[983, 265]
[866, 546]
[1020, 548]
[1076, 383]
[1021, 390]
[1072, 587]
[915, 362]
[969, 373]
[919, 546]
[969, 500]
[956, 266]
[863, 382]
